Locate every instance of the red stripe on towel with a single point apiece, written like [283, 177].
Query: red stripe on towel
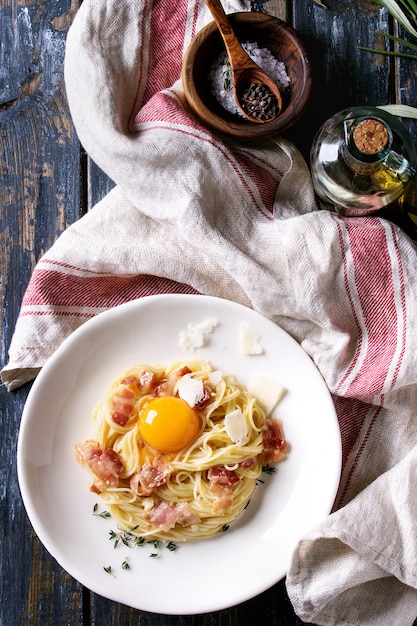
[60, 289]
[359, 419]
[374, 308]
[167, 27]
[351, 414]
[401, 290]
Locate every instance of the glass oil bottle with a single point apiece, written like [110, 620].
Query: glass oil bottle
[362, 160]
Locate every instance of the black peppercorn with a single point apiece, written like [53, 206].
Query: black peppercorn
[259, 102]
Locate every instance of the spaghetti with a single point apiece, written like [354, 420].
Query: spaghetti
[175, 452]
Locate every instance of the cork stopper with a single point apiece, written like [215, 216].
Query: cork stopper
[370, 136]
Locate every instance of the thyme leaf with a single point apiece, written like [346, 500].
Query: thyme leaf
[103, 514]
[125, 564]
[126, 537]
[157, 548]
[172, 546]
[139, 541]
[109, 570]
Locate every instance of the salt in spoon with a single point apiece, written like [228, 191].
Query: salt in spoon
[245, 72]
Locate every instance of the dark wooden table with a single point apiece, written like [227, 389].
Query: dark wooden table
[47, 182]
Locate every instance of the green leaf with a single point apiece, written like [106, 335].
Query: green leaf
[403, 42]
[390, 53]
[400, 110]
[109, 570]
[139, 541]
[396, 11]
[156, 546]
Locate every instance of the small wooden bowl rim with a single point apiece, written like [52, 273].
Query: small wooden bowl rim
[297, 65]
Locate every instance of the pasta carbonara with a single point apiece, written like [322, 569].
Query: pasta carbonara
[175, 452]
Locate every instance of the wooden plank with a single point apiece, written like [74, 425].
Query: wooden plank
[343, 74]
[39, 197]
[406, 88]
[99, 184]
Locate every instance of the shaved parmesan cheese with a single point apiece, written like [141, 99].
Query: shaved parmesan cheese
[236, 427]
[215, 377]
[267, 391]
[249, 340]
[196, 335]
[190, 389]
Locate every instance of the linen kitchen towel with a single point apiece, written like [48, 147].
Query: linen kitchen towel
[193, 212]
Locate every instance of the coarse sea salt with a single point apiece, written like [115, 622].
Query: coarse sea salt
[221, 78]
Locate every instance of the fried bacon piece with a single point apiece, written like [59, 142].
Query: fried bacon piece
[274, 443]
[165, 515]
[186, 514]
[205, 399]
[150, 476]
[106, 466]
[128, 391]
[122, 404]
[221, 483]
[166, 388]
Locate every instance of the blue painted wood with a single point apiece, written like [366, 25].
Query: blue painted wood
[39, 196]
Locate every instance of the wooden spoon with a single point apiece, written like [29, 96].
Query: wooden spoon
[244, 70]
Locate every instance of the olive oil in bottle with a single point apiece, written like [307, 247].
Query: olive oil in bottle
[362, 160]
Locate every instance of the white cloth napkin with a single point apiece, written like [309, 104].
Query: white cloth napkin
[196, 213]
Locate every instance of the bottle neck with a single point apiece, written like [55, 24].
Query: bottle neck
[368, 141]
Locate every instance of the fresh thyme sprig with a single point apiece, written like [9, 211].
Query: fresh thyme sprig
[125, 564]
[157, 548]
[103, 514]
[126, 537]
[266, 469]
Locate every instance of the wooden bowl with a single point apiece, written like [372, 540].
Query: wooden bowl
[268, 32]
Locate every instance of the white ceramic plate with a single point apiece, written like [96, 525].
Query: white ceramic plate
[198, 577]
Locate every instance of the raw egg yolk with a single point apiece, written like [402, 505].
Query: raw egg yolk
[169, 424]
